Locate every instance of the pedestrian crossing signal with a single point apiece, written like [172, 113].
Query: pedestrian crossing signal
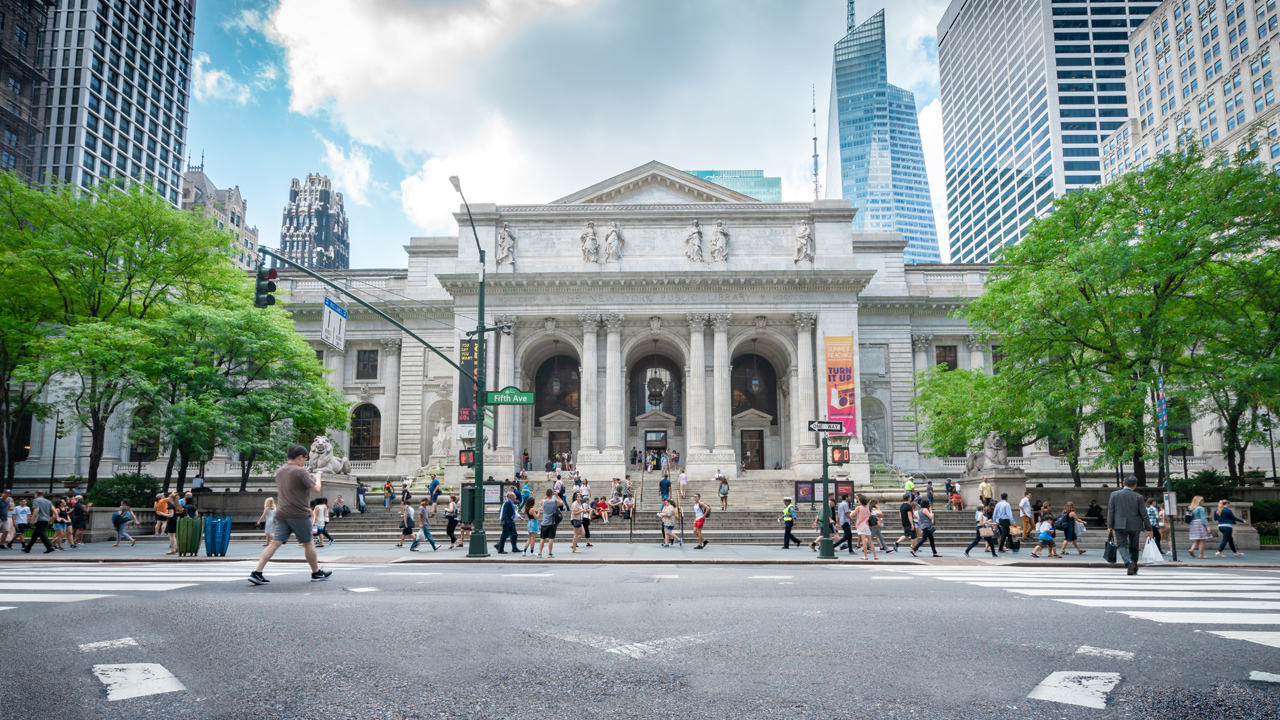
[839, 454]
[467, 458]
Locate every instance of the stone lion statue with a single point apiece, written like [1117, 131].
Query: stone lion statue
[994, 455]
[322, 458]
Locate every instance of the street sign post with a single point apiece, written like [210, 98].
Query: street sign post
[826, 426]
[333, 325]
[510, 396]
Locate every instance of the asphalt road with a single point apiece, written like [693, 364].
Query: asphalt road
[553, 641]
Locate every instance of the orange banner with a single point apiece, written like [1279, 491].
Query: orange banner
[841, 386]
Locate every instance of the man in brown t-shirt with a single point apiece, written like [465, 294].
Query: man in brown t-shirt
[294, 486]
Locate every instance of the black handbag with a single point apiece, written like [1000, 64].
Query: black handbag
[576, 523]
[1110, 549]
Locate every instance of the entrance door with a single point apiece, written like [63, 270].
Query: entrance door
[753, 449]
[560, 441]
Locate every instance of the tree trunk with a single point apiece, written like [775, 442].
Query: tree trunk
[97, 445]
[246, 467]
[182, 468]
[168, 470]
[1139, 468]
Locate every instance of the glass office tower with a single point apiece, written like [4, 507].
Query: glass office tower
[1029, 88]
[751, 183]
[874, 158]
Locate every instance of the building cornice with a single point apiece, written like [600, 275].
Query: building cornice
[850, 281]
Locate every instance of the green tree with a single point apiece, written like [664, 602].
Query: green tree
[1112, 276]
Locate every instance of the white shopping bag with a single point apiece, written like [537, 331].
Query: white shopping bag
[1080, 528]
[1151, 554]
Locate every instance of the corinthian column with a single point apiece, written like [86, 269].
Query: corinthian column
[920, 346]
[695, 404]
[720, 382]
[391, 414]
[977, 352]
[506, 379]
[613, 382]
[589, 373]
[805, 370]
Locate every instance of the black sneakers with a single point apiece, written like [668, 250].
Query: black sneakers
[256, 578]
[319, 575]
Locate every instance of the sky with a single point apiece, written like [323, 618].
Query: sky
[525, 100]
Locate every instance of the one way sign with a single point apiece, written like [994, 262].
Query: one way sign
[826, 426]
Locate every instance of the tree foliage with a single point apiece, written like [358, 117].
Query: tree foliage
[1160, 273]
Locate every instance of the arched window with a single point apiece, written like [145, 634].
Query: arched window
[557, 387]
[656, 385]
[366, 433]
[754, 386]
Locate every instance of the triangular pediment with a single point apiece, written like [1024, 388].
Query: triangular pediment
[654, 183]
[752, 415]
[656, 416]
[559, 416]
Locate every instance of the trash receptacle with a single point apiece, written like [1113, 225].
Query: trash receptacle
[217, 536]
[189, 533]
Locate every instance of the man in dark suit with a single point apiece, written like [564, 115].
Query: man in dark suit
[1127, 519]
[507, 516]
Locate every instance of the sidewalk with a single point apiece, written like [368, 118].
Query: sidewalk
[613, 553]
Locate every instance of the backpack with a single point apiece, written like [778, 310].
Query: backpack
[115, 518]
[706, 513]
[1061, 522]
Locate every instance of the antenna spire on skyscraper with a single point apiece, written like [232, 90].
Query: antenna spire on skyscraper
[852, 23]
[814, 90]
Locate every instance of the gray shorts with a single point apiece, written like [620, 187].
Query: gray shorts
[301, 527]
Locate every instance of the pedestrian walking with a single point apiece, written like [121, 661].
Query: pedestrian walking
[1127, 520]
[909, 487]
[42, 510]
[406, 522]
[701, 511]
[668, 516]
[530, 510]
[788, 520]
[1155, 515]
[507, 518]
[985, 530]
[451, 522]
[1027, 515]
[664, 487]
[361, 491]
[876, 523]
[1199, 531]
[906, 513]
[576, 514]
[294, 486]
[79, 520]
[1227, 521]
[433, 490]
[267, 519]
[831, 524]
[925, 514]
[724, 491]
[6, 520]
[121, 519]
[552, 506]
[21, 521]
[1004, 519]
[862, 524]
[587, 508]
[844, 517]
[161, 508]
[424, 531]
[683, 480]
[320, 518]
[388, 492]
[1046, 530]
[171, 522]
[1068, 524]
[58, 521]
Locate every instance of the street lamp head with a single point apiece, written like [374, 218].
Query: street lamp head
[453, 180]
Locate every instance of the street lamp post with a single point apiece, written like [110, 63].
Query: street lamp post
[479, 545]
[53, 466]
[1271, 444]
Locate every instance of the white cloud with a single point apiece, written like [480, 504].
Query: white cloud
[266, 76]
[494, 166]
[911, 44]
[244, 22]
[209, 84]
[351, 172]
[934, 161]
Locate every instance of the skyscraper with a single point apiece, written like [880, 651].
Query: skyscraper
[1029, 88]
[314, 230]
[22, 24]
[751, 183]
[116, 105]
[227, 208]
[874, 157]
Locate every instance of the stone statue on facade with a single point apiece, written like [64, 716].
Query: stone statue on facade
[693, 242]
[613, 243]
[440, 443]
[871, 437]
[719, 243]
[804, 242]
[994, 455]
[590, 245]
[322, 459]
[506, 245]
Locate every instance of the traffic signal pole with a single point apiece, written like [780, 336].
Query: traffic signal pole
[826, 548]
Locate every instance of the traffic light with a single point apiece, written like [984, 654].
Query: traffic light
[839, 454]
[467, 458]
[262, 296]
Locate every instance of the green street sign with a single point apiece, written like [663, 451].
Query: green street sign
[510, 396]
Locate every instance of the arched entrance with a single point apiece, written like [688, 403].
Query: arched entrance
[753, 386]
[366, 433]
[558, 404]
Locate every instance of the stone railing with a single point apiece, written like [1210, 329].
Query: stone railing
[943, 278]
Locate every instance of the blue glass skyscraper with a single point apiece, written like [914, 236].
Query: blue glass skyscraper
[874, 158]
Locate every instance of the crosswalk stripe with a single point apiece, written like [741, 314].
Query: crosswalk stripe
[1149, 594]
[91, 586]
[125, 578]
[48, 597]
[1270, 639]
[1086, 689]
[1206, 618]
[1122, 586]
[1183, 604]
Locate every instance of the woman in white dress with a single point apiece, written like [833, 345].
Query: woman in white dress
[268, 519]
